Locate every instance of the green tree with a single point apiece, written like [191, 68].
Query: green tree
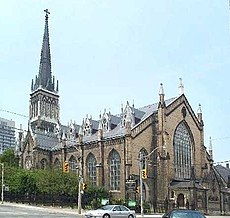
[93, 196]
[8, 157]
[13, 177]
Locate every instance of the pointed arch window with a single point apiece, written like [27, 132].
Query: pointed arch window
[144, 153]
[72, 164]
[182, 152]
[57, 164]
[44, 164]
[115, 170]
[91, 169]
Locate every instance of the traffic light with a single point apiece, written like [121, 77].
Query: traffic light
[84, 186]
[144, 174]
[66, 167]
[138, 189]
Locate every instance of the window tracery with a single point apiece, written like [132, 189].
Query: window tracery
[91, 169]
[182, 152]
[72, 164]
[115, 171]
[44, 164]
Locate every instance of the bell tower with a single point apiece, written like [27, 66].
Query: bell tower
[44, 98]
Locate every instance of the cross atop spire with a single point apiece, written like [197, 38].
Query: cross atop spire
[47, 12]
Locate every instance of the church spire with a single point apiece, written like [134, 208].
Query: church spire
[44, 98]
[44, 75]
[45, 79]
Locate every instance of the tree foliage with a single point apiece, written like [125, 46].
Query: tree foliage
[8, 157]
[51, 183]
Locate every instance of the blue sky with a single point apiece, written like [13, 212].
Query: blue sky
[105, 53]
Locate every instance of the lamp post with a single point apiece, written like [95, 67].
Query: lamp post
[80, 180]
[2, 196]
[141, 160]
[141, 182]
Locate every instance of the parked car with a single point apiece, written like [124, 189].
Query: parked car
[183, 213]
[111, 211]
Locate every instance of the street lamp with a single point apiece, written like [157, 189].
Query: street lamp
[80, 179]
[141, 160]
[72, 144]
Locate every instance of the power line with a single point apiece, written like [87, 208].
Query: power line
[10, 112]
[223, 138]
[25, 116]
[220, 162]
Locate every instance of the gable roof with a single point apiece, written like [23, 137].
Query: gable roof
[49, 141]
[224, 172]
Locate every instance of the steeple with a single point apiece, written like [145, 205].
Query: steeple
[44, 99]
[45, 79]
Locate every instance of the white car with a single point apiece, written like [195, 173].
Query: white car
[111, 211]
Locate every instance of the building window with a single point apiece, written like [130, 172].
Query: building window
[57, 164]
[72, 164]
[105, 125]
[144, 153]
[91, 169]
[44, 164]
[115, 172]
[182, 152]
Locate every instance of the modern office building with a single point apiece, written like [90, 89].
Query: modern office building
[7, 134]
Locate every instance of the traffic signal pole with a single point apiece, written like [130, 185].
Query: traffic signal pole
[141, 182]
[143, 173]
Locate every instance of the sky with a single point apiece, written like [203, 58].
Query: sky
[107, 52]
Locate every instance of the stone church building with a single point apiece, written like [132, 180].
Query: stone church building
[168, 135]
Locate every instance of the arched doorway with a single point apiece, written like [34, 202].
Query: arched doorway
[180, 200]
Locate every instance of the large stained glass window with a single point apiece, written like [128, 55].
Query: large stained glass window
[182, 152]
[91, 169]
[115, 171]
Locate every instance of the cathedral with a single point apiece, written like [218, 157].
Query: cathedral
[158, 148]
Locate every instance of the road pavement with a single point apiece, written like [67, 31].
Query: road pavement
[12, 210]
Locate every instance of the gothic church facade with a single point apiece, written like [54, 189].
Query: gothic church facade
[168, 133]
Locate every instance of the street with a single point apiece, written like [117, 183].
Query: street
[12, 210]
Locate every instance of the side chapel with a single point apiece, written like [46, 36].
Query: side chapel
[179, 170]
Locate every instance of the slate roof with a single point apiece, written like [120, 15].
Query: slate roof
[185, 184]
[149, 109]
[223, 171]
[46, 141]
[49, 141]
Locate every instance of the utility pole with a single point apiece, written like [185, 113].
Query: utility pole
[141, 182]
[80, 185]
[143, 159]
